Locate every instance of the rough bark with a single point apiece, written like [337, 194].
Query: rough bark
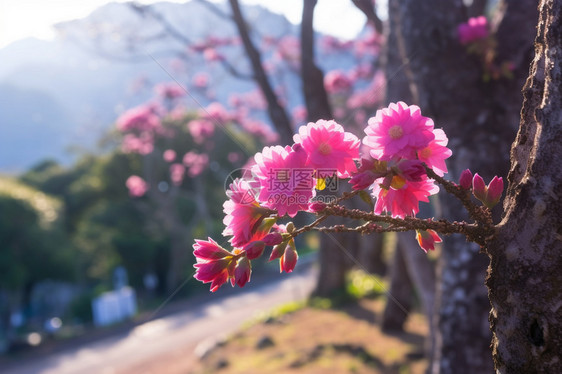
[276, 111]
[525, 281]
[479, 118]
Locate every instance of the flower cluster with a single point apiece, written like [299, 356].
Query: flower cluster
[401, 147]
[400, 141]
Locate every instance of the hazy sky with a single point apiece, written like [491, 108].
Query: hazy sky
[24, 18]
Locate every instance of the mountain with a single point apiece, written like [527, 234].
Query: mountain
[68, 92]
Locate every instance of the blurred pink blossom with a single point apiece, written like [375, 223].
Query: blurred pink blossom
[169, 155]
[200, 129]
[136, 185]
[474, 29]
[336, 81]
[169, 91]
[177, 172]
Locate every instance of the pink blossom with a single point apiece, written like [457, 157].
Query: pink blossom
[169, 91]
[211, 54]
[288, 49]
[141, 118]
[201, 80]
[143, 144]
[200, 129]
[177, 172]
[254, 249]
[402, 197]
[215, 112]
[369, 96]
[328, 146]
[234, 157]
[436, 152]
[136, 185]
[195, 162]
[336, 81]
[299, 114]
[398, 131]
[243, 214]
[427, 239]
[369, 171]
[475, 29]
[273, 238]
[214, 263]
[411, 170]
[169, 155]
[285, 184]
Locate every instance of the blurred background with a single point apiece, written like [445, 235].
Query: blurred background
[121, 126]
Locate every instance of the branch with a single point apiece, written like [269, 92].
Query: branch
[314, 92]
[277, 113]
[368, 9]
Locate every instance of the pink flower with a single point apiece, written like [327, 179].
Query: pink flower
[285, 183]
[411, 170]
[475, 29]
[436, 152]
[136, 185]
[169, 155]
[254, 249]
[427, 239]
[244, 217]
[215, 112]
[214, 263]
[141, 118]
[177, 172]
[368, 172]
[169, 91]
[402, 197]
[143, 144]
[398, 131]
[299, 114]
[200, 129]
[336, 81]
[273, 238]
[195, 162]
[329, 147]
[201, 80]
[211, 54]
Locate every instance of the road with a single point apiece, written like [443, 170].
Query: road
[193, 327]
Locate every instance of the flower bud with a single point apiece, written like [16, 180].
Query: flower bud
[278, 251]
[316, 207]
[478, 187]
[465, 179]
[290, 227]
[273, 238]
[242, 272]
[254, 249]
[427, 239]
[495, 191]
[289, 259]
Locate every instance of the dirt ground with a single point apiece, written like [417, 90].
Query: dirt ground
[307, 340]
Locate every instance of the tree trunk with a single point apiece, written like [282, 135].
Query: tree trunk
[525, 280]
[399, 305]
[479, 118]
